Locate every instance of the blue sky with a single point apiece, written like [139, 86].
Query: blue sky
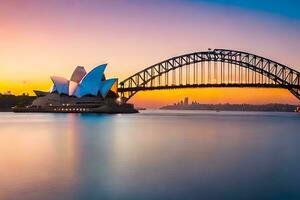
[285, 8]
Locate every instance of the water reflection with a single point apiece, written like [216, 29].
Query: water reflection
[35, 154]
[152, 155]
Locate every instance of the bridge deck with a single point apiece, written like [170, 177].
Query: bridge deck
[229, 85]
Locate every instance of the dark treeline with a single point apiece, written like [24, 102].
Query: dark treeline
[233, 107]
[9, 101]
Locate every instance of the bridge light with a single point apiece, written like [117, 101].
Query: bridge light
[119, 100]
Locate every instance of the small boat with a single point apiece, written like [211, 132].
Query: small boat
[297, 110]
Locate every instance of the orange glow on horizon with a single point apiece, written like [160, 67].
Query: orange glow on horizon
[156, 99]
[20, 87]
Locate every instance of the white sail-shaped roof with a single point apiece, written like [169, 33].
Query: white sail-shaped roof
[53, 88]
[72, 87]
[82, 83]
[80, 92]
[78, 74]
[92, 80]
[61, 84]
[76, 77]
[106, 85]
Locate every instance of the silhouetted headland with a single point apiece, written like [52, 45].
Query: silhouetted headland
[9, 101]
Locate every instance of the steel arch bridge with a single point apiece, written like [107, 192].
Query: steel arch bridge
[212, 68]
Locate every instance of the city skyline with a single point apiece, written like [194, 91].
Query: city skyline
[47, 37]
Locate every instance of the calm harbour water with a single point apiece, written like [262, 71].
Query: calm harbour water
[152, 155]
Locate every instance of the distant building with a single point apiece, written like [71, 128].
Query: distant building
[8, 93]
[186, 101]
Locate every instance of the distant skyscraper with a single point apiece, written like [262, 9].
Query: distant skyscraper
[186, 101]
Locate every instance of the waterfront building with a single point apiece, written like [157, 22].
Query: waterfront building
[83, 92]
[186, 101]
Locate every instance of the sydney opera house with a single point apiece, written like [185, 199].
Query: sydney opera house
[84, 92]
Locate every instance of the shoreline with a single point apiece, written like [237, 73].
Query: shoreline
[234, 107]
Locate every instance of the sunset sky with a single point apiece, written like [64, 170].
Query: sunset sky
[42, 38]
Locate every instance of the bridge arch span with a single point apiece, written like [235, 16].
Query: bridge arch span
[213, 68]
